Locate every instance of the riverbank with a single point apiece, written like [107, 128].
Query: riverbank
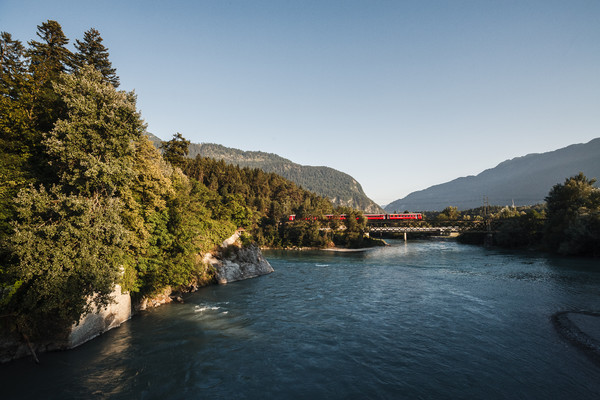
[232, 262]
[375, 243]
[346, 250]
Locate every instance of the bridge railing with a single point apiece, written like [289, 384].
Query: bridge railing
[429, 223]
[436, 226]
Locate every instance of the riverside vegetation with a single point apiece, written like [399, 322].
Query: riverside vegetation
[86, 200]
[568, 223]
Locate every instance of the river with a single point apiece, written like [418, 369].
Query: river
[422, 320]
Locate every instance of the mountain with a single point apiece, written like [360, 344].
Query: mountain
[525, 180]
[340, 188]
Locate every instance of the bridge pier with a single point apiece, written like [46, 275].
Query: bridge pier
[404, 236]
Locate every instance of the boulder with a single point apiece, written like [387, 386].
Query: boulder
[235, 262]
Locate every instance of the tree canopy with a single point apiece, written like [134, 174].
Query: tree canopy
[574, 217]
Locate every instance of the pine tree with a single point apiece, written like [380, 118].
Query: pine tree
[176, 150]
[48, 59]
[92, 52]
[12, 66]
[14, 141]
[14, 103]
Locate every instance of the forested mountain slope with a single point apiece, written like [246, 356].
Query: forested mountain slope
[340, 188]
[525, 180]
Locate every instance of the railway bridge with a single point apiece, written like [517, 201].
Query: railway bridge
[443, 228]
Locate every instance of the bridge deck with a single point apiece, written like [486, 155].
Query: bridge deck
[402, 229]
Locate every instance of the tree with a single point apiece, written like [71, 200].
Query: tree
[48, 59]
[92, 52]
[15, 137]
[69, 242]
[449, 213]
[573, 224]
[520, 230]
[50, 56]
[176, 150]
[92, 149]
[12, 66]
[67, 249]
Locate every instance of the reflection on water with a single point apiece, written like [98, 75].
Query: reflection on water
[107, 375]
[414, 320]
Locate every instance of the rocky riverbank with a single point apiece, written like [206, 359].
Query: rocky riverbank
[232, 262]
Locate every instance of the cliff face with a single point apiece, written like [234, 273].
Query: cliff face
[233, 262]
[94, 324]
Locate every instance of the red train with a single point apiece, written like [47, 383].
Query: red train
[370, 217]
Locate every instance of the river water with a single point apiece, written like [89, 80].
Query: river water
[422, 320]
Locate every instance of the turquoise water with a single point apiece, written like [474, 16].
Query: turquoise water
[430, 319]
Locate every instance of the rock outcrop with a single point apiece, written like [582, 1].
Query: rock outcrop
[102, 320]
[13, 345]
[235, 262]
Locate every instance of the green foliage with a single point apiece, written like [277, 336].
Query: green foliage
[18, 138]
[176, 150]
[262, 202]
[568, 224]
[351, 232]
[67, 249]
[449, 213]
[47, 60]
[92, 52]
[92, 150]
[520, 230]
[574, 217]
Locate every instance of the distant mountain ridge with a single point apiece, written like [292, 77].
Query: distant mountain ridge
[525, 180]
[337, 186]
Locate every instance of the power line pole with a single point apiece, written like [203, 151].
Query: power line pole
[488, 223]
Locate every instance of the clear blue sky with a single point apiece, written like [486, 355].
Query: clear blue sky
[401, 95]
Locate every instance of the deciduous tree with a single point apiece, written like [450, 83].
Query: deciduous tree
[92, 149]
[573, 224]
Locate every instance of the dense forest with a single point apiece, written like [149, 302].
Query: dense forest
[86, 200]
[340, 188]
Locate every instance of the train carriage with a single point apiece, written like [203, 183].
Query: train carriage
[370, 217]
